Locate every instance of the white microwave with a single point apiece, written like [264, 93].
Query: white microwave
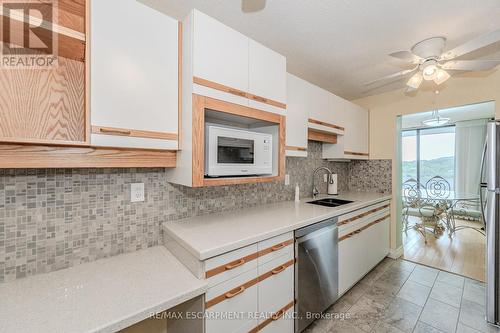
[236, 152]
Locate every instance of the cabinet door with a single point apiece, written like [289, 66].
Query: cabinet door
[267, 78]
[351, 262]
[220, 54]
[134, 76]
[356, 133]
[296, 117]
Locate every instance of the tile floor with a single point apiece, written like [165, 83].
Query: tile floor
[400, 296]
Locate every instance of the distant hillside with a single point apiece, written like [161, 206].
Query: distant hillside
[443, 166]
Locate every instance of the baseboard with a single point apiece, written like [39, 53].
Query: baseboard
[396, 253]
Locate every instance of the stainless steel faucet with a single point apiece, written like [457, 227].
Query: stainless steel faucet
[315, 191]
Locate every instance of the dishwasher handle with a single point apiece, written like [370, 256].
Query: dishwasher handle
[331, 222]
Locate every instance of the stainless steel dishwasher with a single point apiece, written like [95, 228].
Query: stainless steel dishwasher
[316, 270]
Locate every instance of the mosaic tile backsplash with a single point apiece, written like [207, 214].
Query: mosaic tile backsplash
[52, 219]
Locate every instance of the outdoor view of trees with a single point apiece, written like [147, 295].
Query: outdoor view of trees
[435, 155]
[443, 166]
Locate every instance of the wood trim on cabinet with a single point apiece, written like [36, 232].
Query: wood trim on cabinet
[357, 217]
[33, 156]
[315, 135]
[87, 72]
[237, 92]
[355, 153]
[200, 103]
[358, 231]
[179, 84]
[275, 247]
[241, 288]
[231, 265]
[276, 270]
[231, 293]
[319, 122]
[198, 140]
[275, 316]
[245, 259]
[105, 130]
[295, 148]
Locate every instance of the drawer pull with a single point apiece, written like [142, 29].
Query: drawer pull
[278, 270]
[237, 92]
[278, 247]
[238, 291]
[236, 264]
[260, 99]
[278, 315]
[357, 231]
[114, 131]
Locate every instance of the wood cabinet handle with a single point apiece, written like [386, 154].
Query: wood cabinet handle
[238, 291]
[357, 231]
[278, 315]
[279, 269]
[278, 247]
[115, 131]
[237, 92]
[235, 264]
[260, 99]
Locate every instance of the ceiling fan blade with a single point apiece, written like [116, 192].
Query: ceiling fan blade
[472, 45]
[406, 56]
[251, 6]
[392, 76]
[470, 65]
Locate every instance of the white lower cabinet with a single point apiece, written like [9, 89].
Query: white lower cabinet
[362, 247]
[262, 292]
[233, 299]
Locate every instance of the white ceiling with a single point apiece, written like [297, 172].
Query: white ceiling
[340, 44]
[484, 110]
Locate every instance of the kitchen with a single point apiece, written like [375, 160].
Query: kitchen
[241, 198]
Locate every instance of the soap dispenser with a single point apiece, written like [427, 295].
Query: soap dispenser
[332, 184]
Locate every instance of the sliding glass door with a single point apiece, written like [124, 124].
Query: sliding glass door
[429, 152]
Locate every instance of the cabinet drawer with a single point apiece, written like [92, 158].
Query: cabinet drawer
[231, 264]
[358, 218]
[275, 247]
[237, 296]
[280, 321]
[276, 283]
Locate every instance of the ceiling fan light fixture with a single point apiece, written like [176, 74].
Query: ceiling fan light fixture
[415, 81]
[429, 70]
[441, 76]
[436, 120]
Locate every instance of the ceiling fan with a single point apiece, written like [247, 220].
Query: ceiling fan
[431, 62]
[251, 6]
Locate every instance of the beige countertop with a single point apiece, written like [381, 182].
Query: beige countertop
[102, 296]
[207, 236]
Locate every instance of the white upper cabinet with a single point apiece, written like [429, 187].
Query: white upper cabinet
[134, 76]
[299, 101]
[220, 54]
[229, 66]
[356, 134]
[267, 78]
[323, 114]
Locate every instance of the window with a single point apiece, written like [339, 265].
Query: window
[429, 152]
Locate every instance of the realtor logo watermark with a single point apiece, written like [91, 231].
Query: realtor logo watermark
[28, 37]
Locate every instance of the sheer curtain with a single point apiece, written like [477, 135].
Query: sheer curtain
[469, 143]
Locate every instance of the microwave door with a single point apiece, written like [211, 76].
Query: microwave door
[235, 150]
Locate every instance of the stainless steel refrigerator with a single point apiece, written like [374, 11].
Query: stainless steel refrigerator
[493, 223]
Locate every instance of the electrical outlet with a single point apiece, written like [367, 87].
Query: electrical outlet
[287, 180]
[136, 192]
[325, 178]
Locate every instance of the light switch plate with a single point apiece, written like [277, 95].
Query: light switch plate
[136, 192]
[287, 180]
